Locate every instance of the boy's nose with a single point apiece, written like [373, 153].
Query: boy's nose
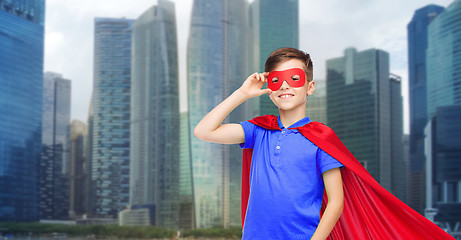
[285, 85]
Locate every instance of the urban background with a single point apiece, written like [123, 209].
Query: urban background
[98, 102]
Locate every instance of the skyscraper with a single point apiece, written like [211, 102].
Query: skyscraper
[443, 109]
[111, 116]
[79, 174]
[275, 24]
[186, 183]
[444, 59]
[417, 45]
[154, 158]
[55, 160]
[89, 154]
[316, 106]
[359, 108]
[443, 167]
[399, 167]
[21, 81]
[217, 57]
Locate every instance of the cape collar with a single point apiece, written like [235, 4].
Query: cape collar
[272, 122]
[297, 124]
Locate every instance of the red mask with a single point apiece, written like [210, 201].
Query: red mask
[295, 77]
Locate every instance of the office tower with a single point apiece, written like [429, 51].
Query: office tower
[443, 167]
[89, 155]
[316, 106]
[154, 157]
[217, 66]
[398, 164]
[443, 108]
[111, 116]
[406, 159]
[21, 80]
[79, 174]
[417, 45]
[55, 160]
[275, 24]
[186, 187]
[444, 59]
[359, 108]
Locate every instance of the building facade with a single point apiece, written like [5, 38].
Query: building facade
[217, 58]
[55, 158]
[359, 108]
[154, 158]
[443, 178]
[79, 170]
[110, 170]
[186, 182]
[316, 105]
[417, 45]
[399, 165]
[444, 59]
[140, 215]
[443, 107]
[21, 81]
[272, 30]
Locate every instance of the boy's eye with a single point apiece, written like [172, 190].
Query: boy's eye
[295, 77]
[275, 79]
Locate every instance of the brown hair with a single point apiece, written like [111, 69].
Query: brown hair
[284, 54]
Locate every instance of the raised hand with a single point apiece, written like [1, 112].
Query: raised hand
[253, 84]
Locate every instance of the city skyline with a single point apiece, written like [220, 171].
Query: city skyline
[369, 28]
[139, 83]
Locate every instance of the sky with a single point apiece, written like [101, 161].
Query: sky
[327, 28]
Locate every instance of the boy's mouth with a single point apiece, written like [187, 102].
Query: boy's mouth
[286, 95]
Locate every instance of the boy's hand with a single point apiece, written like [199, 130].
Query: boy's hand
[253, 84]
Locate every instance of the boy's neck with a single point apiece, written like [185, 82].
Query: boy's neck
[288, 118]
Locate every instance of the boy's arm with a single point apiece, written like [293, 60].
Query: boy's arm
[210, 128]
[335, 194]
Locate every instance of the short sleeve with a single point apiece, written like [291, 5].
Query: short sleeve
[326, 162]
[249, 130]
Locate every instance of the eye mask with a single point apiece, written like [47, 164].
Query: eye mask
[295, 77]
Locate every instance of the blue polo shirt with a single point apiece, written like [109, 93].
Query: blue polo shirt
[286, 184]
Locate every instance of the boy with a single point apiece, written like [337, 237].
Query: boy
[298, 189]
[293, 160]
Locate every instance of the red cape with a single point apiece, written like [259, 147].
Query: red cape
[370, 211]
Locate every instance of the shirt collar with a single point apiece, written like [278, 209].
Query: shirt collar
[299, 123]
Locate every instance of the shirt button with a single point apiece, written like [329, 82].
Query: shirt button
[278, 147]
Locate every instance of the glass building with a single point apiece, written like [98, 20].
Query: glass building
[154, 157]
[444, 59]
[79, 174]
[186, 187]
[359, 108]
[217, 58]
[21, 81]
[110, 128]
[275, 24]
[399, 165]
[316, 105]
[55, 160]
[443, 178]
[417, 45]
[443, 109]
[89, 154]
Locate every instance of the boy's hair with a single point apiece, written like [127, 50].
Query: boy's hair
[284, 54]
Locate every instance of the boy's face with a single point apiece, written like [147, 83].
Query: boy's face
[292, 93]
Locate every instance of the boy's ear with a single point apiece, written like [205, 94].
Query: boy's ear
[311, 88]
